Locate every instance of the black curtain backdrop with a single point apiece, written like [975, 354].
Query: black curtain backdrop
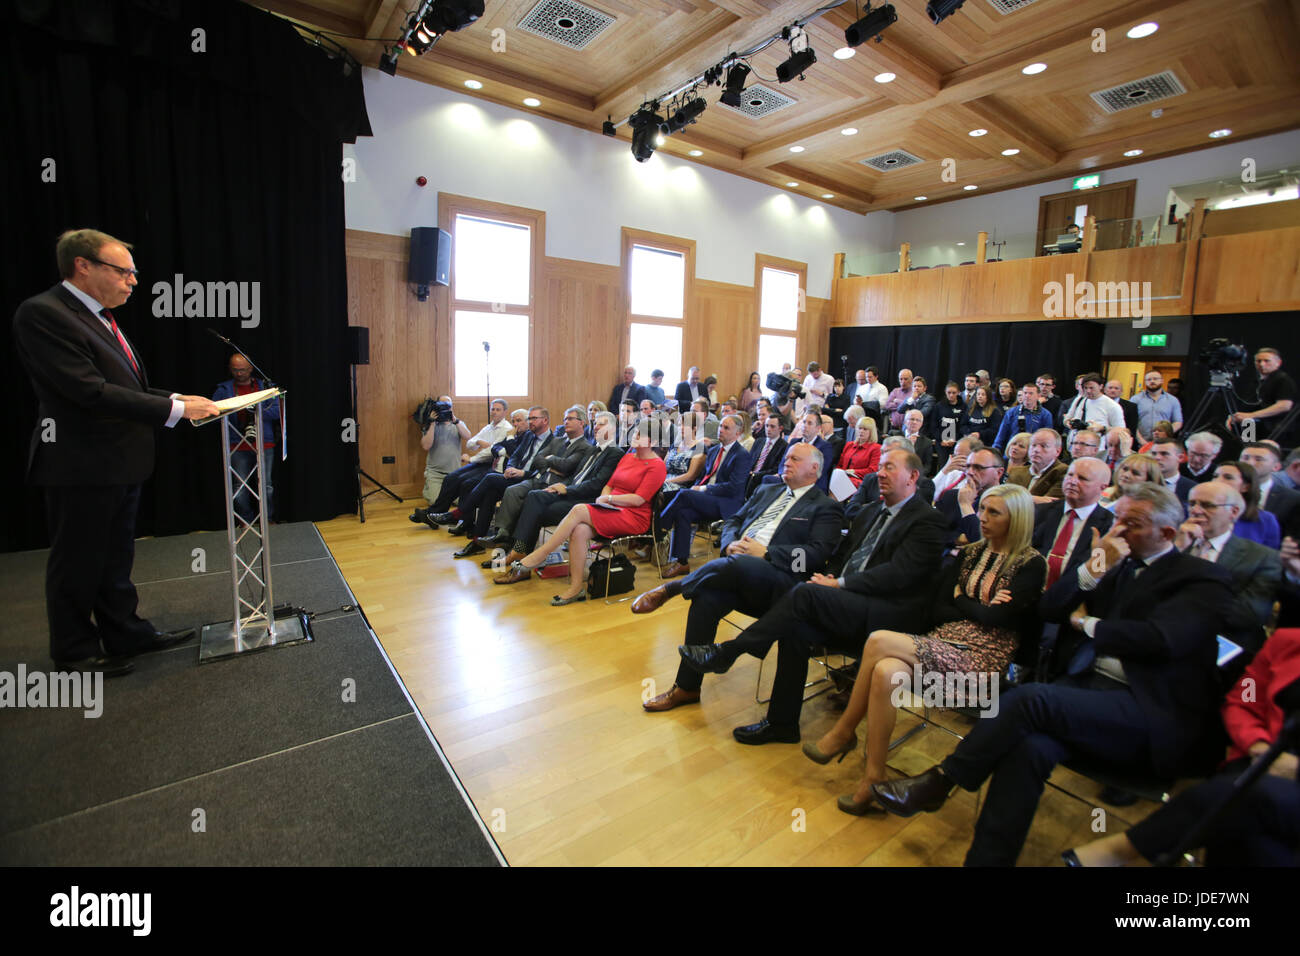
[220, 165]
[1019, 351]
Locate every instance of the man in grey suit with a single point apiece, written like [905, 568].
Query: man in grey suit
[1256, 571]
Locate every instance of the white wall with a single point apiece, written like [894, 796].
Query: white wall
[589, 186]
[934, 230]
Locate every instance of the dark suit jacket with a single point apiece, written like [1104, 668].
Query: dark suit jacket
[1182, 489]
[525, 448]
[900, 573]
[869, 492]
[104, 414]
[1048, 484]
[771, 466]
[1130, 415]
[636, 393]
[1047, 518]
[683, 395]
[811, 528]
[924, 448]
[1162, 628]
[828, 461]
[1256, 573]
[949, 508]
[557, 462]
[590, 488]
[1285, 506]
[732, 476]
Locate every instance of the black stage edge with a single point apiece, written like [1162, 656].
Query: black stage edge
[309, 755]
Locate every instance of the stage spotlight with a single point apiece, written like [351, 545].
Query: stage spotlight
[420, 41]
[802, 55]
[736, 77]
[685, 116]
[645, 124]
[940, 10]
[608, 128]
[872, 25]
[448, 16]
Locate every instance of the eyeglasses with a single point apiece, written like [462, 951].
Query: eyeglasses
[1205, 504]
[123, 272]
[982, 467]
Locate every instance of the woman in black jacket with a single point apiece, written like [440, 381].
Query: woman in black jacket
[984, 416]
[986, 604]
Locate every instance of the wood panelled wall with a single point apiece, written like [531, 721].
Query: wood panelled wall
[578, 348]
[1247, 272]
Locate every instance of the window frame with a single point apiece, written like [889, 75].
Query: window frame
[763, 261]
[685, 247]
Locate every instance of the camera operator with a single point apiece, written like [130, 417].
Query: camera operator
[1277, 392]
[441, 433]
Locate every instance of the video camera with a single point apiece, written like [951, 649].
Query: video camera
[1220, 355]
[429, 411]
[785, 386]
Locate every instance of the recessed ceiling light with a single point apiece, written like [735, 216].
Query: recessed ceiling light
[659, 139]
[1220, 133]
[532, 101]
[1033, 68]
[474, 84]
[1132, 152]
[961, 243]
[849, 131]
[1143, 30]
[885, 77]
[696, 152]
[844, 52]
[979, 132]
[1010, 152]
[828, 195]
[920, 198]
[970, 187]
[792, 185]
[796, 149]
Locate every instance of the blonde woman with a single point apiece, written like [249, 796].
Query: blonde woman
[986, 604]
[1018, 450]
[1133, 470]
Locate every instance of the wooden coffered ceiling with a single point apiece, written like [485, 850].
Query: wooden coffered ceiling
[1238, 61]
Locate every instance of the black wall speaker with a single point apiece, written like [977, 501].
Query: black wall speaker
[358, 345]
[430, 256]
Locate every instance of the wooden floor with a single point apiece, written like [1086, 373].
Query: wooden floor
[539, 710]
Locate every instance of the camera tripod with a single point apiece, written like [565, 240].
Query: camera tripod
[361, 472]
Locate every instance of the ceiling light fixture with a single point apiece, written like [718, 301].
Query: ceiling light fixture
[940, 10]
[736, 77]
[872, 25]
[696, 152]
[796, 149]
[1132, 152]
[885, 77]
[792, 185]
[1034, 68]
[645, 124]
[802, 55]
[845, 53]
[1010, 152]
[1220, 133]
[828, 195]
[920, 198]
[532, 101]
[979, 132]
[849, 131]
[1142, 30]
[970, 187]
[684, 116]
[474, 84]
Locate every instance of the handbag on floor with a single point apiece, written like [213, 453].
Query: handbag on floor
[621, 576]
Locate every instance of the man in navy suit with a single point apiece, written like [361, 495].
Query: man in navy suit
[718, 494]
[782, 535]
[92, 448]
[810, 432]
[1168, 453]
[1142, 692]
[959, 505]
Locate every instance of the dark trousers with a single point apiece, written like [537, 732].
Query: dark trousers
[1037, 727]
[737, 582]
[541, 509]
[92, 548]
[456, 484]
[478, 507]
[1261, 829]
[808, 617]
[689, 506]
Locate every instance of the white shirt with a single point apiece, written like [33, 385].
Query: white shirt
[869, 393]
[783, 504]
[1102, 410]
[490, 435]
[178, 407]
[1265, 487]
[945, 481]
[823, 385]
[1081, 518]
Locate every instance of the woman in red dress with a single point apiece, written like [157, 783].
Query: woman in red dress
[861, 457]
[631, 488]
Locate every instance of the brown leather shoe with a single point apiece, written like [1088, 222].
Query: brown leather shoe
[653, 599]
[676, 569]
[673, 697]
[516, 573]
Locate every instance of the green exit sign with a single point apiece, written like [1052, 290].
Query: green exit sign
[1087, 182]
[1154, 340]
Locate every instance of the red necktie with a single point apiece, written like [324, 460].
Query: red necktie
[121, 339]
[1056, 558]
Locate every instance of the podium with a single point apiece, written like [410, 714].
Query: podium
[254, 625]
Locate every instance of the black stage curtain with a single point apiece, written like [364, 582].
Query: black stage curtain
[207, 134]
[1279, 330]
[1019, 351]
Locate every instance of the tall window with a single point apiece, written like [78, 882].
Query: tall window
[492, 275]
[780, 285]
[658, 271]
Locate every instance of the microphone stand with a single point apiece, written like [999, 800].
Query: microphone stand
[487, 376]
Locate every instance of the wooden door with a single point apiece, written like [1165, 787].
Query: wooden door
[1105, 203]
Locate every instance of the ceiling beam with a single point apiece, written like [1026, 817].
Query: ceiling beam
[442, 62]
[778, 148]
[1010, 129]
[790, 171]
[378, 16]
[313, 16]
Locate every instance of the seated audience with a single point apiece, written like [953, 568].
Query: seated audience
[1289, 474]
[809, 431]
[475, 462]
[1168, 454]
[953, 472]
[782, 535]
[1119, 445]
[1254, 523]
[1160, 431]
[594, 408]
[622, 508]
[984, 608]
[913, 423]
[1063, 529]
[860, 457]
[1140, 693]
[766, 455]
[1202, 450]
[1133, 470]
[983, 416]
[1262, 828]
[1018, 450]
[719, 493]
[868, 492]
[959, 505]
[1086, 444]
[1273, 496]
[831, 438]
[880, 578]
[1043, 475]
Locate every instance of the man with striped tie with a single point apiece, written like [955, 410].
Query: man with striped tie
[782, 535]
[92, 448]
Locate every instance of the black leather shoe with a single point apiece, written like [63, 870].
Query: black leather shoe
[419, 515]
[471, 548]
[766, 733]
[501, 537]
[108, 666]
[441, 517]
[162, 640]
[459, 528]
[707, 658]
[913, 795]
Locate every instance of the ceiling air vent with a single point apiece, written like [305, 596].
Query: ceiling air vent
[1149, 89]
[894, 159]
[566, 22]
[758, 100]
[1009, 6]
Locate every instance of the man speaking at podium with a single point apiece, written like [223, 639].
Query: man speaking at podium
[92, 448]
